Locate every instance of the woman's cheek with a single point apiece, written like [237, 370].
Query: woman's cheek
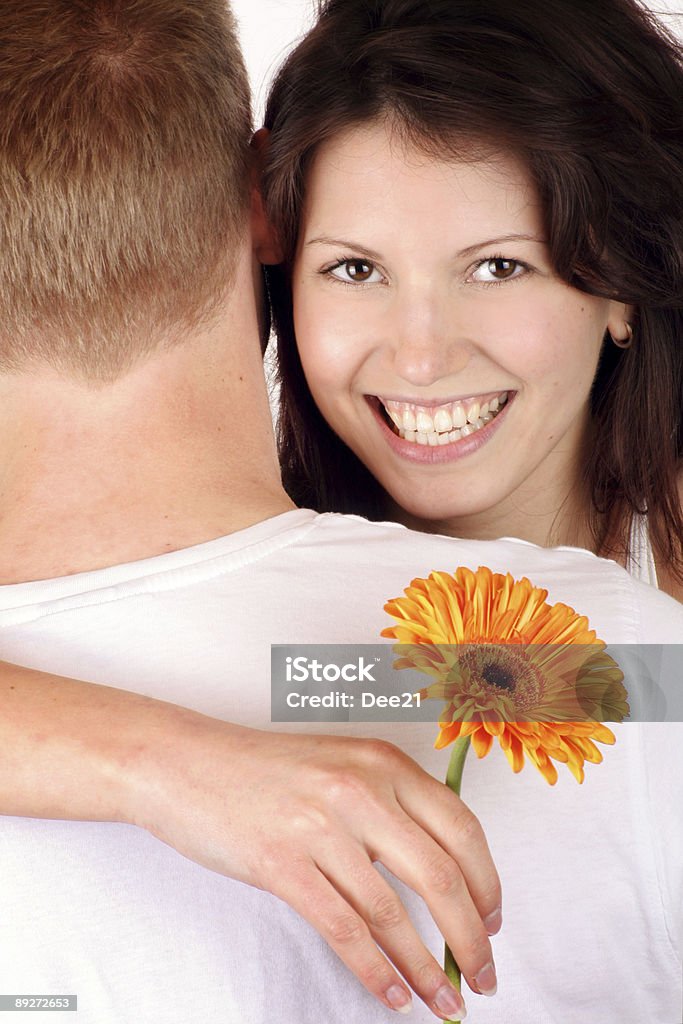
[331, 346]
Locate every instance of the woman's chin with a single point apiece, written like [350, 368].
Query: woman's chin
[434, 516]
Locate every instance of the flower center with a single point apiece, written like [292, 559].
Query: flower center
[505, 672]
[498, 676]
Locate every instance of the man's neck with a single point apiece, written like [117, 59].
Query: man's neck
[177, 452]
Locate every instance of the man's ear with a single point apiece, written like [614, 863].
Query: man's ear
[267, 248]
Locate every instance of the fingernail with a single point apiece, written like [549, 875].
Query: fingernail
[494, 922]
[447, 1000]
[486, 980]
[399, 999]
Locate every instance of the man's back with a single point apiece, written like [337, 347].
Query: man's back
[142, 934]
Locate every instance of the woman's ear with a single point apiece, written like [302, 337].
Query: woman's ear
[267, 248]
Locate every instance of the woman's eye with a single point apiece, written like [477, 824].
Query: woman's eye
[497, 269]
[355, 272]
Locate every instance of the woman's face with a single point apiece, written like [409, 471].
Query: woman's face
[435, 337]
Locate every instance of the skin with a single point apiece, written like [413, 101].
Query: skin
[395, 296]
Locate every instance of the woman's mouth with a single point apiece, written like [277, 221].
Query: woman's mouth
[438, 425]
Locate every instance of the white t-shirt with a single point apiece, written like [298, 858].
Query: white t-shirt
[592, 874]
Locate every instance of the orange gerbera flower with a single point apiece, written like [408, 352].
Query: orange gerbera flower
[532, 674]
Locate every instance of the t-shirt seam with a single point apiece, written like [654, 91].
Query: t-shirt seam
[142, 585]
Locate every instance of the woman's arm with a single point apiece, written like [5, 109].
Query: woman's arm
[83, 751]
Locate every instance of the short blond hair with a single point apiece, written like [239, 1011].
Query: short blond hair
[124, 133]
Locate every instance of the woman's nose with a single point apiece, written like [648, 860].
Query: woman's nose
[429, 343]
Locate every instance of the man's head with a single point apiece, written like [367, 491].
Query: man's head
[124, 131]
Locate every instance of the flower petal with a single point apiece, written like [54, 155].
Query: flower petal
[482, 741]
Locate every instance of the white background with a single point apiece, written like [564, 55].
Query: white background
[268, 29]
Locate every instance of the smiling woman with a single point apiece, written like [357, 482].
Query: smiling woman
[413, 330]
[479, 307]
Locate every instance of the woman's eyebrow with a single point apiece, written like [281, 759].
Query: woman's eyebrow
[343, 243]
[471, 249]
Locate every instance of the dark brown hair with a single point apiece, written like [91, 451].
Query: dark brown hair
[124, 133]
[590, 95]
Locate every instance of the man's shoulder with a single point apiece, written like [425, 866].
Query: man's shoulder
[506, 554]
[619, 607]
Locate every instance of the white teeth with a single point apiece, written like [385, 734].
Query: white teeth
[473, 413]
[409, 422]
[459, 416]
[443, 421]
[444, 424]
[425, 423]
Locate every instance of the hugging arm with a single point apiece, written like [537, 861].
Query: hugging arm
[331, 807]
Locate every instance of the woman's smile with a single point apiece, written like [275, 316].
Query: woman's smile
[439, 432]
[442, 422]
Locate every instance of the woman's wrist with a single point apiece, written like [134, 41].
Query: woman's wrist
[172, 757]
[77, 750]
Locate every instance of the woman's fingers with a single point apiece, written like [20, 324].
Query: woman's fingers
[458, 831]
[384, 917]
[372, 916]
[462, 843]
[423, 864]
[311, 894]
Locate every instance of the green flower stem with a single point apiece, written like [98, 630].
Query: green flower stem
[457, 763]
[453, 781]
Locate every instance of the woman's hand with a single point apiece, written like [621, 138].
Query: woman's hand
[304, 817]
